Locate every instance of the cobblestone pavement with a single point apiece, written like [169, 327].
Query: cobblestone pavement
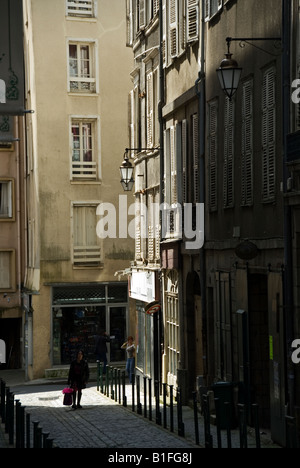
[104, 423]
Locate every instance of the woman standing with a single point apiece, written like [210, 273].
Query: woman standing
[78, 377]
[130, 350]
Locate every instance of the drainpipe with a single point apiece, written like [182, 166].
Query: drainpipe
[288, 301]
[200, 90]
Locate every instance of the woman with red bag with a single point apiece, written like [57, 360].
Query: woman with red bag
[78, 377]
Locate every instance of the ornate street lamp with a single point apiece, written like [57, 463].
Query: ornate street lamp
[126, 170]
[229, 74]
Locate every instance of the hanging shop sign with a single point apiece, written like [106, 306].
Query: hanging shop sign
[142, 286]
[11, 58]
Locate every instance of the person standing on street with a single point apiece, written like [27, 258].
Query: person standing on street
[130, 350]
[78, 377]
[101, 349]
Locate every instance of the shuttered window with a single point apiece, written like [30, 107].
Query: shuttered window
[86, 248]
[212, 148]
[85, 8]
[247, 144]
[82, 77]
[268, 135]
[195, 147]
[192, 19]
[84, 165]
[228, 165]
[7, 270]
[212, 7]
[173, 27]
[6, 199]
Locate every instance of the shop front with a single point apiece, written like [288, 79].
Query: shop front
[80, 313]
[144, 289]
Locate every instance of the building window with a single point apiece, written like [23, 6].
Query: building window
[6, 200]
[82, 77]
[268, 135]
[7, 270]
[84, 164]
[85, 8]
[86, 247]
[212, 7]
[247, 144]
[172, 325]
[228, 174]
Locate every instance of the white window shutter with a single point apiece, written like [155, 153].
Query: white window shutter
[173, 27]
[142, 14]
[192, 18]
[173, 166]
[149, 104]
[129, 22]
[184, 139]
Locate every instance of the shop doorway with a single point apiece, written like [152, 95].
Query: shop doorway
[259, 345]
[10, 333]
[78, 328]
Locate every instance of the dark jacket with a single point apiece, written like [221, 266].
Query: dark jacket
[79, 372]
[101, 344]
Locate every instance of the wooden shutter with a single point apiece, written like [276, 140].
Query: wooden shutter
[173, 166]
[228, 174]
[195, 143]
[149, 104]
[173, 27]
[184, 140]
[142, 14]
[247, 143]
[129, 23]
[213, 116]
[192, 18]
[268, 135]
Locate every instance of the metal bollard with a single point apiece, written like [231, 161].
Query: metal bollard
[27, 430]
[165, 404]
[242, 426]
[206, 416]
[218, 422]
[228, 428]
[179, 413]
[145, 397]
[171, 409]
[35, 435]
[138, 395]
[150, 399]
[256, 424]
[119, 383]
[116, 384]
[132, 391]
[196, 417]
[124, 387]
[98, 375]
[157, 407]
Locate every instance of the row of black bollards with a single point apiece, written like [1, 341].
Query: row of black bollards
[17, 423]
[227, 423]
[112, 384]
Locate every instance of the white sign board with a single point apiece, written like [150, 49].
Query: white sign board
[142, 286]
